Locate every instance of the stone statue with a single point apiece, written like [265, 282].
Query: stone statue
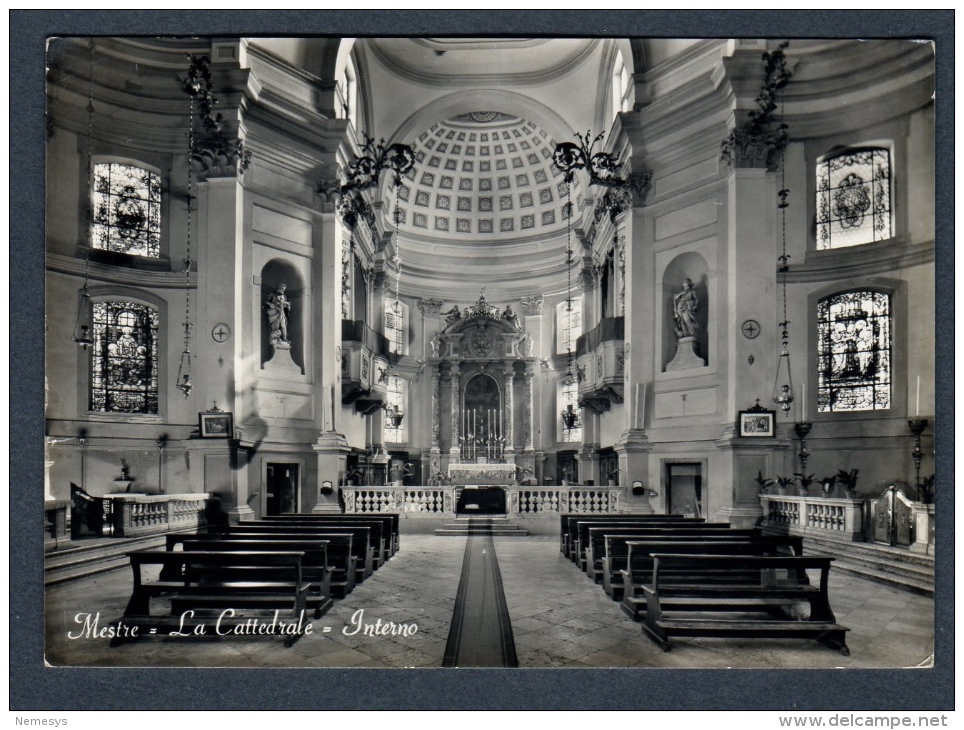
[684, 309]
[452, 316]
[509, 316]
[434, 343]
[278, 307]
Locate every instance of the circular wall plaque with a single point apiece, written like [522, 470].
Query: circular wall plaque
[751, 329]
[221, 332]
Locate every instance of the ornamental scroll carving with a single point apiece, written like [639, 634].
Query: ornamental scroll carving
[532, 306]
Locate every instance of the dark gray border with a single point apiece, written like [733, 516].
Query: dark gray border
[33, 687]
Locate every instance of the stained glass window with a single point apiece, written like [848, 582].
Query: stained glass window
[124, 358]
[127, 210]
[395, 398]
[569, 396]
[568, 325]
[396, 313]
[854, 352]
[853, 198]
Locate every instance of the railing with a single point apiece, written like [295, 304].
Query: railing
[838, 518]
[130, 515]
[355, 330]
[152, 514]
[609, 329]
[441, 500]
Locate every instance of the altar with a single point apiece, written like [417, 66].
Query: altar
[480, 501]
[462, 474]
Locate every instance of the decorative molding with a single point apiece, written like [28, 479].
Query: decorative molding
[758, 142]
[217, 153]
[430, 307]
[532, 306]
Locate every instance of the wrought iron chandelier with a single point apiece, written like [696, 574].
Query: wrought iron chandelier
[184, 374]
[83, 331]
[783, 383]
[570, 417]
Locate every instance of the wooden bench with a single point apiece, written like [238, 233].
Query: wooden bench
[607, 551]
[679, 608]
[388, 523]
[314, 567]
[594, 547]
[339, 548]
[389, 519]
[580, 535]
[377, 534]
[640, 562]
[616, 550]
[361, 545]
[568, 520]
[201, 573]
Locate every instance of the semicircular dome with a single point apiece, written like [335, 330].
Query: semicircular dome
[484, 175]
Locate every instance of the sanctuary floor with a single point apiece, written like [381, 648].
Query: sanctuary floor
[558, 619]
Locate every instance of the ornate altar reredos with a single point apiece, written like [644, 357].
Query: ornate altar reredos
[482, 361]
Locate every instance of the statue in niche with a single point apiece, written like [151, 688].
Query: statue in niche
[452, 316]
[685, 304]
[435, 345]
[278, 307]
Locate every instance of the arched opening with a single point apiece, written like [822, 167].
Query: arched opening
[275, 274]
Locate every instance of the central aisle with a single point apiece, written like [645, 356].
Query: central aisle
[548, 611]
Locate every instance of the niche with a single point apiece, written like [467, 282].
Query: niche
[690, 266]
[275, 273]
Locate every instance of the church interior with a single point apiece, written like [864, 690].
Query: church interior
[462, 293]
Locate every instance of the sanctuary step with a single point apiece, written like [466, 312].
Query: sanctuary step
[893, 566]
[464, 526]
[90, 556]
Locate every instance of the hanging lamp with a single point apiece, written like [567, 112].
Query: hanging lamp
[783, 382]
[185, 367]
[394, 411]
[570, 417]
[83, 331]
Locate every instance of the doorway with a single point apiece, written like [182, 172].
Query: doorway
[685, 487]
[281, 487]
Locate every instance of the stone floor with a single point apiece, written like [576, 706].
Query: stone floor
[559, 619]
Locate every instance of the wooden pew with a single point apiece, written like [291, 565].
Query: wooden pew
[640, 562]
[577, 526]
[580, 534]
[599, 558]
[363, 548]
[378, 535]
[594, 546]
[340, 551]
[314, 567]
[566, 518]
[680, 608]
[197, 573]
[388, 520]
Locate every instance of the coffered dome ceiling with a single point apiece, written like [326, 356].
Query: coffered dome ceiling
[484, 175]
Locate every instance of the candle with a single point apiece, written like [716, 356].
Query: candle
[917, 409]
[804, 394]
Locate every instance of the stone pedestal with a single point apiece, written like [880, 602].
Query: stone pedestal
[633, 450]
[281, 362]
[223, 473]
[332, 453]
[686, 357]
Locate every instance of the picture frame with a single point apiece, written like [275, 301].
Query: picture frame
[216, 425]
[757, 422]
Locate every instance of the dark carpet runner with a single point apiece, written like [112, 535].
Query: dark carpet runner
[481, 633]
